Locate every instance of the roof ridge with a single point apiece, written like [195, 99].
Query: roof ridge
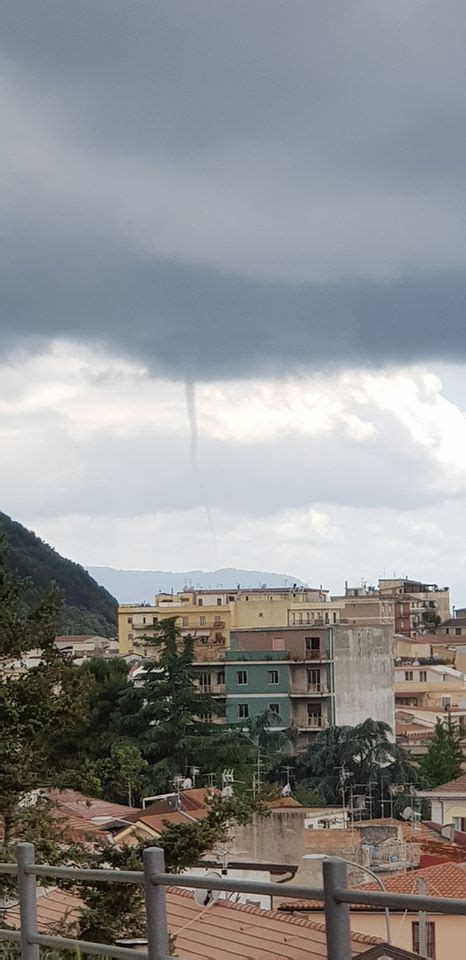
[287, 918]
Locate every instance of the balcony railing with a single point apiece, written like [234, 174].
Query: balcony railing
[334, 896]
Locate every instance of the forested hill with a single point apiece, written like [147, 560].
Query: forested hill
[88, 607]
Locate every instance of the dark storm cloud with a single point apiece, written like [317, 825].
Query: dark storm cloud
[227, 187]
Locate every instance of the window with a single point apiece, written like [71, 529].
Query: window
[202, 621]
[241, 677]
[274, 708]
[423, 676]
[219, 601]
[217, 622]
[205, 682]
[313, 679]
[200, 602]
[409, 675]
[272, 676]
[334, 618]
[313, 646]
[243, 711]
[221, 676]
[143, 619]
[155, 619]
[185, 621]
[205, 716]
[458, 631]
[130, 637]
[130, 619]
[447, 630]
[430, 937]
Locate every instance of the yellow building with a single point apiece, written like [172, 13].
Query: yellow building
[210, 615]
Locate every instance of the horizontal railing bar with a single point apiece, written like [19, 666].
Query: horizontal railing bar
[13, 935]
[85, 946]
[402, 901]
[74, 873]
[290, 890]
[9, 868]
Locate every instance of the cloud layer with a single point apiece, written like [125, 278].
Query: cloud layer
[235, 189]
[328, 476]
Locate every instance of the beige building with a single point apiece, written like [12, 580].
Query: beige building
[448, 803]
[210, 615]
[432, 686]
[445, 934]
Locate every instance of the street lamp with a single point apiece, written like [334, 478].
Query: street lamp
[375, 876]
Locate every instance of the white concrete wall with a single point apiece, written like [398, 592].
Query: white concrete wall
[363, 673]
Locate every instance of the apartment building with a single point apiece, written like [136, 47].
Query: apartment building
[310, 678]
[418, 606]
[428, 686]
[410, 606]
[210, 615]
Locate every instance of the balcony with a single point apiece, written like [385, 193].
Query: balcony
[314, 721]
[213, 689]
[311, 690]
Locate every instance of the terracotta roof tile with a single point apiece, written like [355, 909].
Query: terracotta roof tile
[84, 807]
[223, 931]
[453, 786]
[226, 931]
[54, 907]
[442, 880]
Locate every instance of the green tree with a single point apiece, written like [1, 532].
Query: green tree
[122, 774]
[444, 757]
[34, 709]
[163, 712]
[361, 755]
[119, 912]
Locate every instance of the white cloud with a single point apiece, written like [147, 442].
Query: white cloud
[328, 476]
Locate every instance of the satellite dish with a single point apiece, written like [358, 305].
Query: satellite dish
[407, 813]
[286, 792]
[227, 792]
[205, 896]
[187, 784]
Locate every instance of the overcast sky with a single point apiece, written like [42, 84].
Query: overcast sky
[265, 199]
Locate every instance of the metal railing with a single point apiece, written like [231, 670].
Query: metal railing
[335, 897]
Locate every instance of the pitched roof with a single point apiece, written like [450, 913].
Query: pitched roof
[223, 931]
[453, 786]
[384, 952]
[441, 880]
[284, 802]
[54, 906]
[227, 931]
[84, 807]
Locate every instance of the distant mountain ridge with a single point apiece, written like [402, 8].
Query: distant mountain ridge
[140, 586]
[88, 607]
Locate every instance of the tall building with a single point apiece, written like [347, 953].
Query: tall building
[308, 678]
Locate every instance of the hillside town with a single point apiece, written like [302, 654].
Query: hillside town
[232, 480]
[255, 735]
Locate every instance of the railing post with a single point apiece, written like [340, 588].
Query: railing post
[156, 905]
[27, 891]
[337, 915]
